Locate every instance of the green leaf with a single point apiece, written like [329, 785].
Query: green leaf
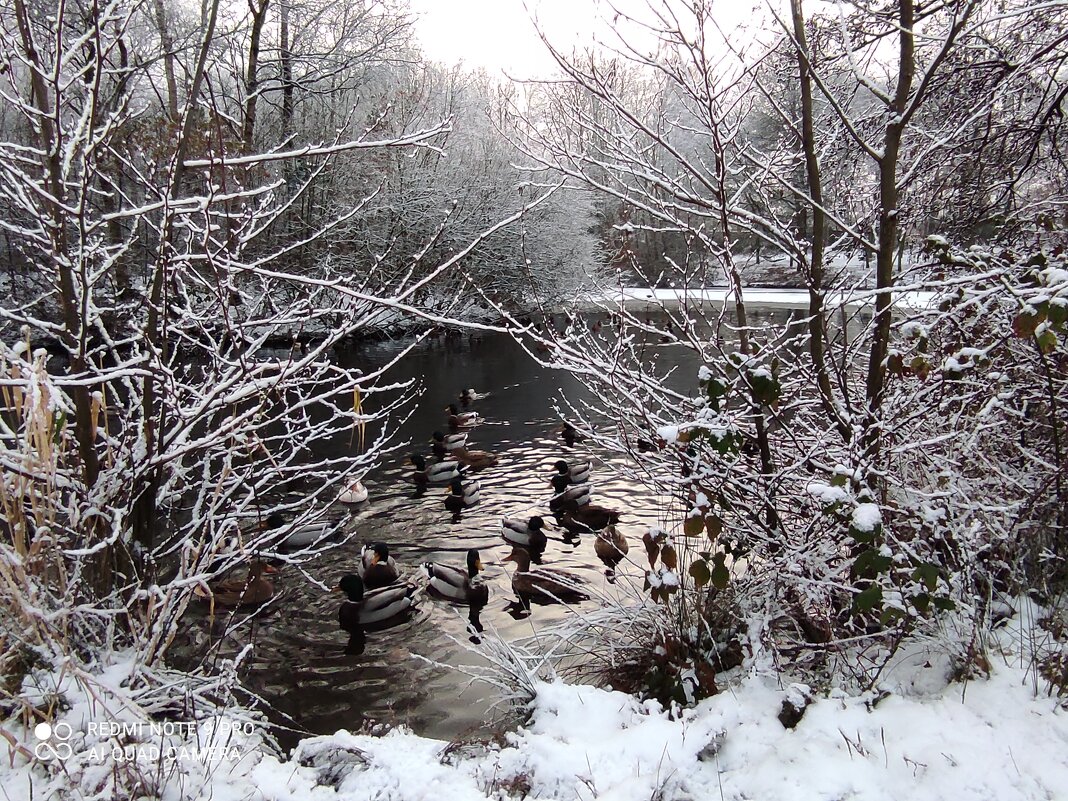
[928, 574]
[1047, 341]
[765, 388]
[871, 563]
[869, 599]
[944, 604]
[700, 573]
[865, 536]
[922, 602]
[716, 389]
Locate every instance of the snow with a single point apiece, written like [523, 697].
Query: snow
[916, 735]
[640, 297]
[867, 516]
[826, 493]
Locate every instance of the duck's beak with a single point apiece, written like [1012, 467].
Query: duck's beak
[374, 559]
[478, 563]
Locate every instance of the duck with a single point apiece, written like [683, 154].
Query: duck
[442, 444]
[365, 608]
[528, 534]
[250, 590]
[588, 517]
[570, 435]
[476, 460]
[377, 568]
[610, 546]
[434, 474]
[568, 496]
[543, 585]
[355, 492]
[469, 396]
[461, 496]
[577, 474]
[459, 420]
[300, 536]
[458, 585]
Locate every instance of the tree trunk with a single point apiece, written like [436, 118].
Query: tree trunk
[816, 321]
[888, 231]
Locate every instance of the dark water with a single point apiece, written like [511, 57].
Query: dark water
[300, 665]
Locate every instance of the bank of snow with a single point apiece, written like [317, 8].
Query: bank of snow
[917, 736]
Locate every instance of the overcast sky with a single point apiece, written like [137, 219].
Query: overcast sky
[498, 35]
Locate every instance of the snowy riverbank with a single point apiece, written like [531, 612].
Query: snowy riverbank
[642, 299]
[917, 736]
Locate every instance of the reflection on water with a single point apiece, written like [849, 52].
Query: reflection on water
[319, 678]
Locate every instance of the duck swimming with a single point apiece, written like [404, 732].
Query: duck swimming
[461, 496]
[543, 585]
[567, 496]
[469, 396]
[610, 546]
[355, 492]
[457, 585]
[377, 568]
[441, 444]
[588, 517]
[570, 435]
[251, 590]
[460, 420]
[476, 460]
[525, 534]
[435, 473]
[366, 608]
[577, 474]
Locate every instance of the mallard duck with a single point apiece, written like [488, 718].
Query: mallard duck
[571, 435]
[577, 474]
[469, 396]
[461, 496]
[525, 534]
[588, 517]
[610, 546]
[568, 496]
[442, 445]
[299, 536]
[435, 473]
[355, 492]
[457, 585]
[543, 585]
[459, 420]
[377, 568]
[476, 460]
[250, 590]
[365, 608]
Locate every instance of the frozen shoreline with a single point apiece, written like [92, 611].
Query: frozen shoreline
[918, 734]
[641, 299]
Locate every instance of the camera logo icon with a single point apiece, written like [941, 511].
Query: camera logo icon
[53, 741]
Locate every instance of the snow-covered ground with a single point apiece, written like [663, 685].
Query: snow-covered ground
[916, 736]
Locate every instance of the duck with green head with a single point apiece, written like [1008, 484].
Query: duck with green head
[377, 568]
[364, 607]
[458, 585]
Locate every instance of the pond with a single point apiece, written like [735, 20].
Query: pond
[301, 664]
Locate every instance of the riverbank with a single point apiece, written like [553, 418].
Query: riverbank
[918, 734]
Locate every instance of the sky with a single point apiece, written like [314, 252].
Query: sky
[498, 35]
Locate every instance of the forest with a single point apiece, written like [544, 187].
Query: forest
[215, 218]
